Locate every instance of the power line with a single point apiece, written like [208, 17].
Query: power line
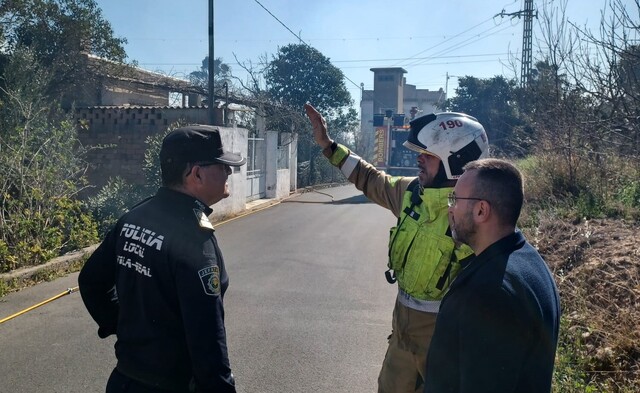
[442, 52]
[445, 41]
[279, 21]
[298, 37]
[350, 61]
[441, 63]
[458, 46]
[462, 44]
[422, 58]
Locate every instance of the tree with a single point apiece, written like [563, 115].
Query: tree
[580, 102]
[41, 171]
[605, 66]
[57, 32]
[583, 105]
[43, 52]
[493, 102]
[221, 75]
[298, 74]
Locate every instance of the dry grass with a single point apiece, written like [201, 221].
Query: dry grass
[597, 267]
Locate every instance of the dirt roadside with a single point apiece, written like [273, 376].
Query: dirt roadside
[597, 268]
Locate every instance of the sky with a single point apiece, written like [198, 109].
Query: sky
[429, 39]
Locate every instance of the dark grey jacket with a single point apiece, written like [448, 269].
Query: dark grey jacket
[497, 329]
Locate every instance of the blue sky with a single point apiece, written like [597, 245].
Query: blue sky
[429, 39]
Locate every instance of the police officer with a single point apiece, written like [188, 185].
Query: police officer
[423, 257]
[158, 279]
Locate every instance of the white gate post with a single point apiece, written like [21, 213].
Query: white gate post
[272, 164]
[293, 161]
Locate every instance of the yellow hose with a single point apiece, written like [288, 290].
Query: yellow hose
[67, 292]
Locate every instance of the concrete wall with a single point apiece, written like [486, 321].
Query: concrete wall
[424, 99]
[117, 141]
[277, 180]
[234, 140]
[292, 140]
[284, 183]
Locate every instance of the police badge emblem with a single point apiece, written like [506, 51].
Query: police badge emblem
[210, 279]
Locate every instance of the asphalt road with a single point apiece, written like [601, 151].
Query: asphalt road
[308, 308]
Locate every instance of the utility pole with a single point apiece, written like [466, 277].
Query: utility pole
[212, 96]
[446, 83]
[527, 38]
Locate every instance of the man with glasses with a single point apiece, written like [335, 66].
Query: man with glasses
[423, 258]
[158, 279]
[497, 329]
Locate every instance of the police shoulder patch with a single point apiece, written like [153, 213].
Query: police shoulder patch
[210, 279]
[203, 220]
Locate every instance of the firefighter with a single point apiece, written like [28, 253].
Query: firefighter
[423, 257]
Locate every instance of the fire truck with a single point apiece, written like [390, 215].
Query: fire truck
[389, 155]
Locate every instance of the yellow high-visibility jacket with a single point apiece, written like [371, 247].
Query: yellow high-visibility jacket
[422, 254]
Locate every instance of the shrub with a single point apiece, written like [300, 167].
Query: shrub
[112, 201]
[41, 168]
[610, 188]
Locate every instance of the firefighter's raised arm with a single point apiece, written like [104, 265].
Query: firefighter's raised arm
[319, 124]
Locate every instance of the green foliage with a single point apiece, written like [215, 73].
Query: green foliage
[344, 126]
[299, 73]
[4, 288]
[493, 101]
[112, 201]
[41, 170]
[629, 194]
[41, 229]
[221, 75]
[569, 375]
[151, 165]
[609, 189]
[56, 32]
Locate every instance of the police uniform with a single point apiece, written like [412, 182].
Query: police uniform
[167, 304]
[158, 281]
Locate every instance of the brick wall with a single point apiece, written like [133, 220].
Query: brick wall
[117, 138]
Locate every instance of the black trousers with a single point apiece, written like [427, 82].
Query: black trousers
[120, 383]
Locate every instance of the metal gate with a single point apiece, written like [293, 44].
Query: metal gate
[256, 164]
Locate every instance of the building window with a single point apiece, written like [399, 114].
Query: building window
[385, 78]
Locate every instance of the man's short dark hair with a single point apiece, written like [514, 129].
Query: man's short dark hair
[500, 183]
[172, 173]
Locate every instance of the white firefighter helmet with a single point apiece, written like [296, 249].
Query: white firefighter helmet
[455, 138]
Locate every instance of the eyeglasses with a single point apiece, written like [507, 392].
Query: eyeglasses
[226, 167]
[452, 199]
